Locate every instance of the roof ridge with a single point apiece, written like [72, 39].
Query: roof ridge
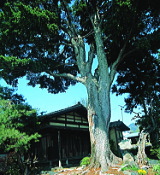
[64, 109]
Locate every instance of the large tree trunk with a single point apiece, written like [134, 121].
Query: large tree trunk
[99, 113]
[98, 86]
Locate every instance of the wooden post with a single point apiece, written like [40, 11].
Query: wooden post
[59, 148]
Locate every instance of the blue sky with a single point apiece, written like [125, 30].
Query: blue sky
[44, 101]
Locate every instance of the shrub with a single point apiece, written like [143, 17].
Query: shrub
[85, 161]
[156, 168]
[156, 151]
[129, 167]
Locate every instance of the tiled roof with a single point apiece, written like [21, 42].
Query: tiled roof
[76, 107]
[119, 124]
[81, 109]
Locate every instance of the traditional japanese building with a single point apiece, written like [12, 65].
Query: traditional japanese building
[65, 136]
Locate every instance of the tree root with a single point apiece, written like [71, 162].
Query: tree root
[114, 159]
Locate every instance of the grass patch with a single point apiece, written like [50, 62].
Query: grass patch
[85, 161]
[156, 169]
[130, 168]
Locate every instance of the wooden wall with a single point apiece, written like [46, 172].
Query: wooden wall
[63, 145]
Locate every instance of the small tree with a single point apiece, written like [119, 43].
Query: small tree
[17, 131]
[140, 80]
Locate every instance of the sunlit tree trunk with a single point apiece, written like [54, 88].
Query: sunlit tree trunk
[98, 85]
[99, 113]
[141, 155]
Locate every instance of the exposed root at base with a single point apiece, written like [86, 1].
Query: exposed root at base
[91, 171]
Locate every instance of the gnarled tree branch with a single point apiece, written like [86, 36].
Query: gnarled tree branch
[68, 75]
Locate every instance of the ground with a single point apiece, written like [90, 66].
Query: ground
[86, 171]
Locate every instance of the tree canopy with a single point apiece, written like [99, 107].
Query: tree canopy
[141, 82]
[37, 37]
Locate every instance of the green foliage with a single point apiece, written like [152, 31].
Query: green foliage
[41, 32]
[12, 130]
[140, 80]
[52, 36]
[124, 2]
[156, 168]
[156, 152]
[18, 124]
[130, 167]
[85, 161]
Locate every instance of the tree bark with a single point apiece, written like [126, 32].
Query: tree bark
[98, 86]
[141, 155]
[99, 113]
